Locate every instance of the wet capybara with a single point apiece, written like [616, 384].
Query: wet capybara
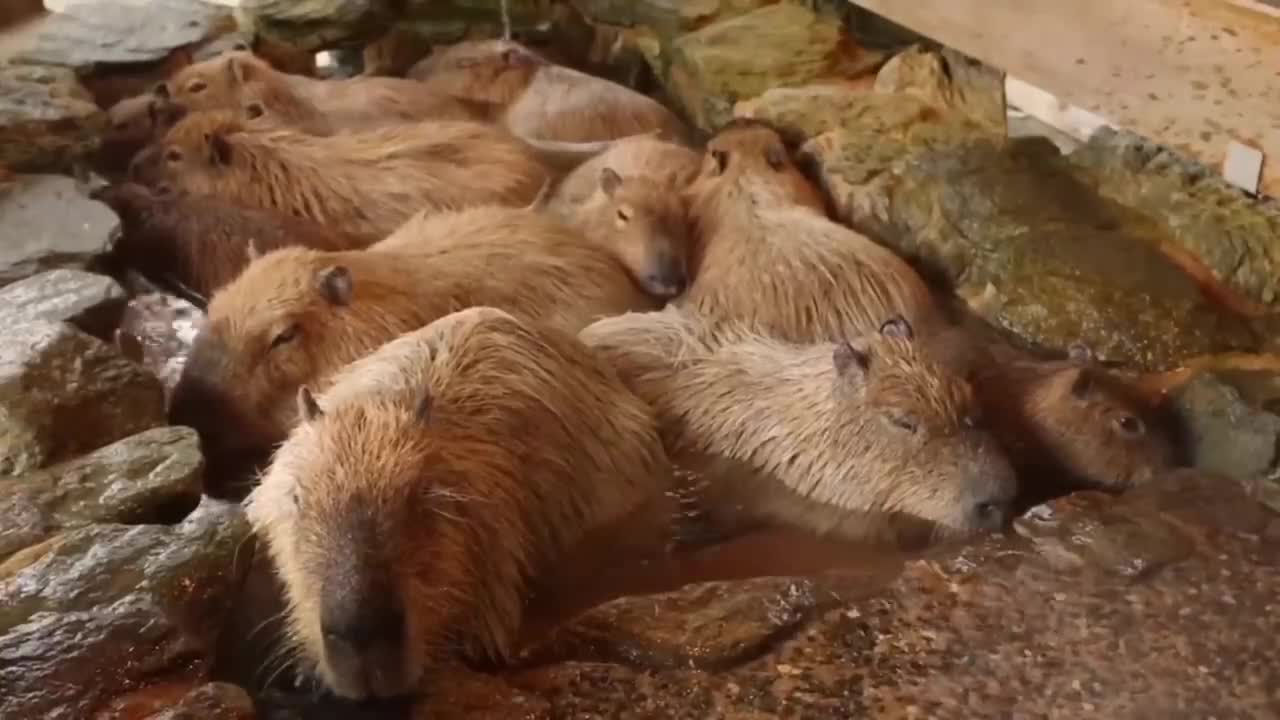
[628, 198]
[766, 253]
[420, 498]
[295, 316]
[361, 103]
[536, 98]
[1066, 424]
[868, 438]
[360, 183]
[200, 243]
[134, 122]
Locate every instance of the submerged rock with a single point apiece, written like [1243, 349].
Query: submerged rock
[47, 222]
[90, 615]
[150, 477]
[47, 121]
[1225, 434]
[91, 302]
[63, 393]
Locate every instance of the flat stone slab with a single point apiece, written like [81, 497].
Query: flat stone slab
[47, 222]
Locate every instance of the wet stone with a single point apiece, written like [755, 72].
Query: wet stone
[64, 393]
[213, 701]
[947, 80]
[708, 626]
[665, 16]
[47, 120]
[47, 222]
[90, 615]
[150, 477]
[157, 331]
[91, 302]
[1226, 435]
[317, 24]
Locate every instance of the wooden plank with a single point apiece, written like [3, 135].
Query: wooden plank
[1195, 75]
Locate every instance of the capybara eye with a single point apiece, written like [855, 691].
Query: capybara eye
[240, 46]
[622, 215]
[1129, 425]
[197, 86]
[972, 421]
[254, 110]
[173, 155]
[285, 336]
[162, 190]
[906, 422]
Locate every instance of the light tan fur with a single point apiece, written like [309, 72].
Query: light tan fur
[628, 199]
[361, 183]
[867, 438]
[274, 327]
[451, 468]
[540, 99]
[350, 104]
[768, 255]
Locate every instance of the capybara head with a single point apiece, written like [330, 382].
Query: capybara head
[494, 71]
[194, 154]
[1094, 429]
[135, 122]
[274, 106]
[750, 158]
[646, 225]
[214, 83]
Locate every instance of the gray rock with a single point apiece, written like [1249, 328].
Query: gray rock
[317, 24]
[213, 701]
[1226, 435]
[46, 222]
[157, 330]
[149, 477]
[91, 302]
[87, 34]
[47, 120]
[63, 393]
[109, 609]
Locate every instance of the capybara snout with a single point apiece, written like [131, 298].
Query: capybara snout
[667, 274]
[364, 628]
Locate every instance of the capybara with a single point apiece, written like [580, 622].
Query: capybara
[361, 103]
[281, 56]
[420, 499]
[868, 438]
[200, 243]
[133, 123]
[768, 255]
[628, 198]
[360, 183]
[1066, 424]
[295, 316]
[537, 98]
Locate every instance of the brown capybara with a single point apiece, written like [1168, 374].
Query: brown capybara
[628, 198]
[768, 255]
[536, 98]
[1066, 424]
[867, 438]
[200, 243]
[359, 183]
[295, 316]
[134, 122]
[419, 500]
[361, 103]
[281, 56]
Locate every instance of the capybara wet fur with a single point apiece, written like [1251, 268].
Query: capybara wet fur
[540, 99]
[628, 199]
[413, 508]
[198, 244]
[295, 316]
[359, 183]
[880, 441]
[767, 254]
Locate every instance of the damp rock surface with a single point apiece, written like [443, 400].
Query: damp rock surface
[147, 477]
[91, 302]
[1225, 433]
[156, 331]
[47, 119]
[47, 222]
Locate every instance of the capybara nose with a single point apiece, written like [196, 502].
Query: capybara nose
[362, 626]
[666, 285]
[991, 514]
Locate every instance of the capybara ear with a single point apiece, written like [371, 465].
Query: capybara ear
[721, 159]
[610, 181]
[335, 285]
[219, 149]
[161, 90]
[1080, 353]
[848, 358]
[1082, 381]
[239, 70]
[776, 156]
[897, 326]
[254, 110]
[308, 408]
[251, 249]
[423, 410]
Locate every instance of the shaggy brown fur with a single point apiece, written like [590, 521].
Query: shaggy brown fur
[628, 199]
[866, 438]
[360, 103]
[281, 56]
[540, 99]
[362, 183]
[432, 485]
[134, 122]
[768, 255]
[1067, 424]
[199, 244]
[296, 316]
